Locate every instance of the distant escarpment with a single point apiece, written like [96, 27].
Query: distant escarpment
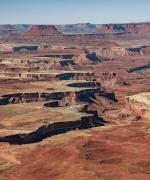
[87, 28]
[49, 34]
[42, 30]
[72, 29]
[78, 34]
[117, 51]
[81, 28]
[7, 29]
[125, 28]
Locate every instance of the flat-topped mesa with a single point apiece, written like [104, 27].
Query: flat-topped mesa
[43, 30]
[125, 28]
[38, 34]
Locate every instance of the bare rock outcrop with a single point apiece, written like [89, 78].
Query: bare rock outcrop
[117, 51]
[42, 30]
[111, 52]
[125, 28]
[88, 58]
[139, 104]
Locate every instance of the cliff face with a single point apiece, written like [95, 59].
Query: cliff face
[85, 28]
[38, 33]
[88, 28]
[88, 58]
[111, 52]
[139, 104]
[125, 28]
[45, 30]
[120, 51]
[64, 98]
[54, 129]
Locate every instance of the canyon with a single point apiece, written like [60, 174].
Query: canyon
[74, 101]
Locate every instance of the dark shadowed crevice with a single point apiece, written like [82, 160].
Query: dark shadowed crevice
[53, 129]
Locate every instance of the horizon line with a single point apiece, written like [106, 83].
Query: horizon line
[131, 22]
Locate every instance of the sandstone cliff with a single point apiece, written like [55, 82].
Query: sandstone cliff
[43, 30]
[139, 104]
[125, 28]
[117, 51]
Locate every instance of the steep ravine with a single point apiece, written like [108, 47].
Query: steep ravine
[54, 129]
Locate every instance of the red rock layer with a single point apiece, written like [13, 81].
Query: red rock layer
[125, 28]
[43, 30]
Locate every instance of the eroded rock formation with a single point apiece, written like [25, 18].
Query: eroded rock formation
[54, 129]
[140, 104]
[121, 51]
[42, 30]
[125, 28]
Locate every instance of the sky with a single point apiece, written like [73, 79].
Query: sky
[73, 11]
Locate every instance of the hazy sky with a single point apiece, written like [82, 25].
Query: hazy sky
[73, 11]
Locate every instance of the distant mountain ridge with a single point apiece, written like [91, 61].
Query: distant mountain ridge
[125, 28]
[105, 28]
[84, 28]
[8, 29]
[81, 28]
